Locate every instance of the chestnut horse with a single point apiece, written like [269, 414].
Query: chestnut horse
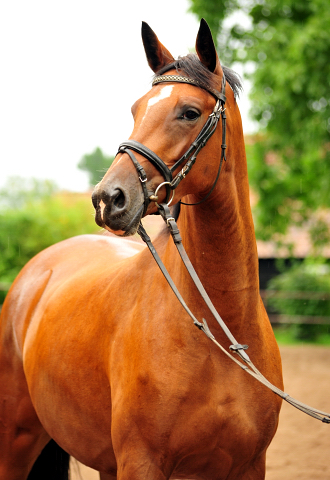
[99, 358]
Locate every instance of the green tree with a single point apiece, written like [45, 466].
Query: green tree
[214, 12]
[287, 43]
[95, 164]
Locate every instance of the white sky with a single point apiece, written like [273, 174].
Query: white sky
[70, 71]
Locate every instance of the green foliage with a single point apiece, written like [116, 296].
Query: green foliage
[308, 278]
[41, 220]
[286, 46]
[290, 48]
[214, 12]
[289, 335]
[95, 164]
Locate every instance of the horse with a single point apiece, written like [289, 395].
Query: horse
[99, 360]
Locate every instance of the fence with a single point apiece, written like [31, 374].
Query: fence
[295, 319]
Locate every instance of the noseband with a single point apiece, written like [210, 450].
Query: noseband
[189, 157]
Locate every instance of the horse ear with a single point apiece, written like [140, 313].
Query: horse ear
[206, 50]
[157, 55]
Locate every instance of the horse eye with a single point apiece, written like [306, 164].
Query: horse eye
[190, 115]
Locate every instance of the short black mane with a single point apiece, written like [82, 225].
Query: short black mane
[191, 66]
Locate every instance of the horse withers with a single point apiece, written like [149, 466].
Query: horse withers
[98, 357]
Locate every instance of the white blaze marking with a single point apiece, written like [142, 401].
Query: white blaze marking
[102, 207]
[165, 92]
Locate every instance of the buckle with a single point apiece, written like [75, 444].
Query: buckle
[238, 346]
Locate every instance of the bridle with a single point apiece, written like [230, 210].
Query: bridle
[171, 184]
[189, 157]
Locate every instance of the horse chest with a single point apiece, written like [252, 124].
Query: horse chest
[209, 413]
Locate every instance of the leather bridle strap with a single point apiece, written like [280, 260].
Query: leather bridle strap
[237, 348]
[189, 157]
[131, 145]
[183, 79]
[222, 158]
[142, 177]
[148, 154]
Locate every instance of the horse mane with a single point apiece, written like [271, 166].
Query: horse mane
[191, 66]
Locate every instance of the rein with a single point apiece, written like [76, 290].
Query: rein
[163, 209]
[236, 347]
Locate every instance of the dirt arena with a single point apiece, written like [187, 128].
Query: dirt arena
[301, 446]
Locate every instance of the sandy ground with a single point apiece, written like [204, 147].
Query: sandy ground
[301, 446]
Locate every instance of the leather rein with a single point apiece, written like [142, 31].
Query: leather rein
[171, 183]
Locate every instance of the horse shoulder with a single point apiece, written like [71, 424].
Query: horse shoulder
[83, 255]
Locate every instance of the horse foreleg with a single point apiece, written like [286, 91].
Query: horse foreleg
[22, 437]
[107, 476]
[140, 471]
[132, 471]
[255, 470]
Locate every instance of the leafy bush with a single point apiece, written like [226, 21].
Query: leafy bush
[33, 222]
[306, 278]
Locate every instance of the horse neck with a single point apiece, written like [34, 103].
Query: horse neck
[218, 235]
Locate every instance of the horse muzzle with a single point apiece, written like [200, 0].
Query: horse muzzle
[116, 209]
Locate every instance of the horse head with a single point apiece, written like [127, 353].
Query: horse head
[168, 121]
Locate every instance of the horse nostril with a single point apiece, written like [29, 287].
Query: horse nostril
[119, 199]
[109, 203]
[106, 197]
[95, 200]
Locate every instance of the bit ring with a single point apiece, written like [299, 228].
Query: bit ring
[156, 191]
